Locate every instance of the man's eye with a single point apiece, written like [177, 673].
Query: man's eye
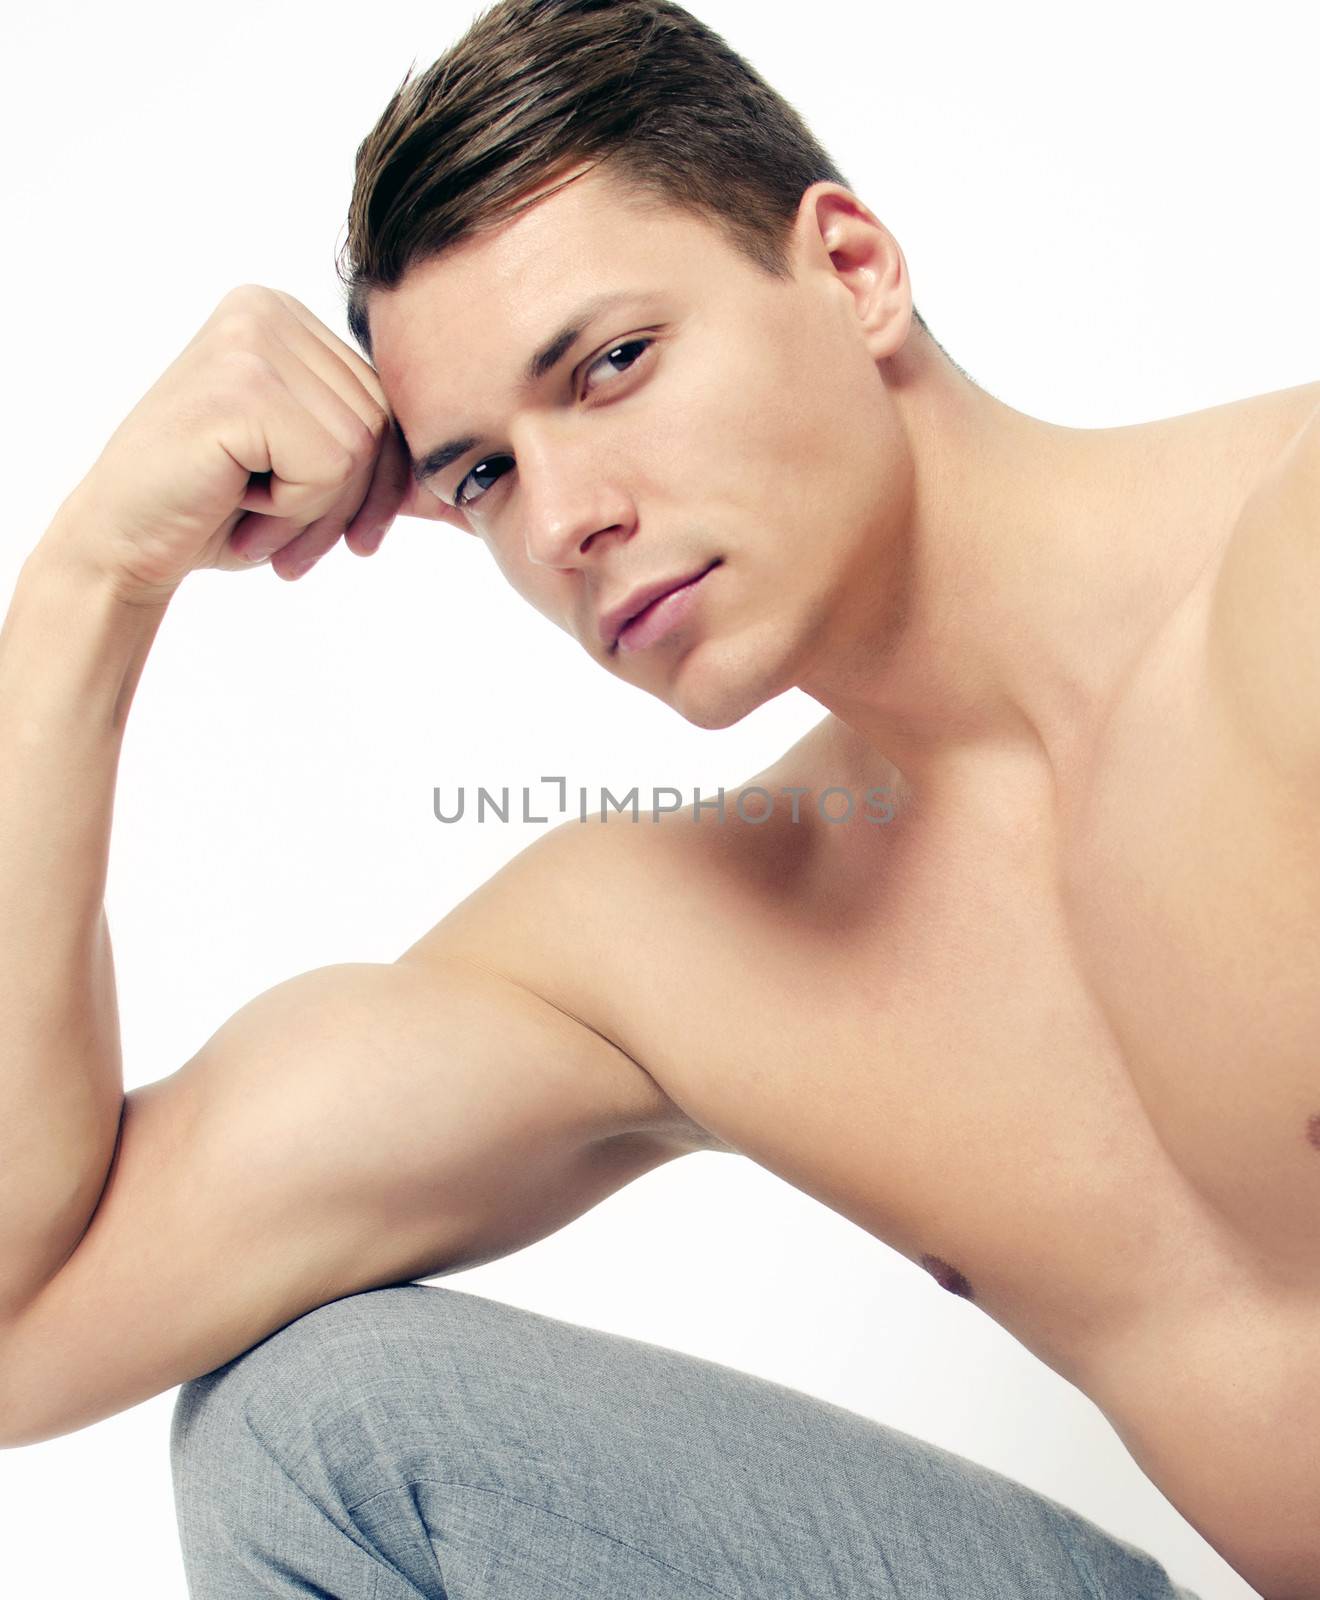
[462, 499]
[628, 344]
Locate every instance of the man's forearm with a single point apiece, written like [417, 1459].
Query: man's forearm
[71, 654]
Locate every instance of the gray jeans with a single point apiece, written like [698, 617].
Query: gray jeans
[421, 1440]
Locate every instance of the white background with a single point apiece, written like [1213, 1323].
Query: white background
[1109, 216]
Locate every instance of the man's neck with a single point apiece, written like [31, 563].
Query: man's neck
[1036, 563]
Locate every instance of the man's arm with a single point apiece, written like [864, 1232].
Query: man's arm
[71, 654]
[266, 426]
[356, 1126]
[1263, 629]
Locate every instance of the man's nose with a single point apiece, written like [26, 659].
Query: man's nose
[571, 497]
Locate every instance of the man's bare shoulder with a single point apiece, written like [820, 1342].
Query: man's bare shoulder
[1262, 637]
[573, 914]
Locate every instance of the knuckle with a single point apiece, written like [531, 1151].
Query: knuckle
[240, 328]
[342, 465]
[246, 367]
[365, 438]
[287, 301]
[247, 295]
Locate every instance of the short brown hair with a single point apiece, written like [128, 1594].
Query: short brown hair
[535, 86]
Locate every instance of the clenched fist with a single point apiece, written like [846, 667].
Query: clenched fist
[267, 436]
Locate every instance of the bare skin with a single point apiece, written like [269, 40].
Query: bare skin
[1050, 1031]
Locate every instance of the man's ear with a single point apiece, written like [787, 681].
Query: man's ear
[835, 227]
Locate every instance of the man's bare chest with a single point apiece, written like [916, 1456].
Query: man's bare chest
[1059, 1060]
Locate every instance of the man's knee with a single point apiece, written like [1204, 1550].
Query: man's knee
[302, 1378]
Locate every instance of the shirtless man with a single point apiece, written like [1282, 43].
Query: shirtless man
[1051, 1031]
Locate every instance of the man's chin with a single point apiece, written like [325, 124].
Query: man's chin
[712, 718]
[716, 688]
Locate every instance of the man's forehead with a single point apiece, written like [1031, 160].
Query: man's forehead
[495, 299]
[564, 236]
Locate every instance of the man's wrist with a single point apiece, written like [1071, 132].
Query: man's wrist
[75, 549]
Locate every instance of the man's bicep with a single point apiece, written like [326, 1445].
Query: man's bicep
[353, 1127]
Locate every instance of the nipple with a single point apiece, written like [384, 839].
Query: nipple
[948, 1277]
[1313, 1131]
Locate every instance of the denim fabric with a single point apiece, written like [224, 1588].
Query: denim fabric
[423, 1441]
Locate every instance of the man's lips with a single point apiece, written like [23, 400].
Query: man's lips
[611, 623]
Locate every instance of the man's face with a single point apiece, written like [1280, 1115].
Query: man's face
[713, 418]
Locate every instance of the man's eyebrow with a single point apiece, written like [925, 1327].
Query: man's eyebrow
[539, 364]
